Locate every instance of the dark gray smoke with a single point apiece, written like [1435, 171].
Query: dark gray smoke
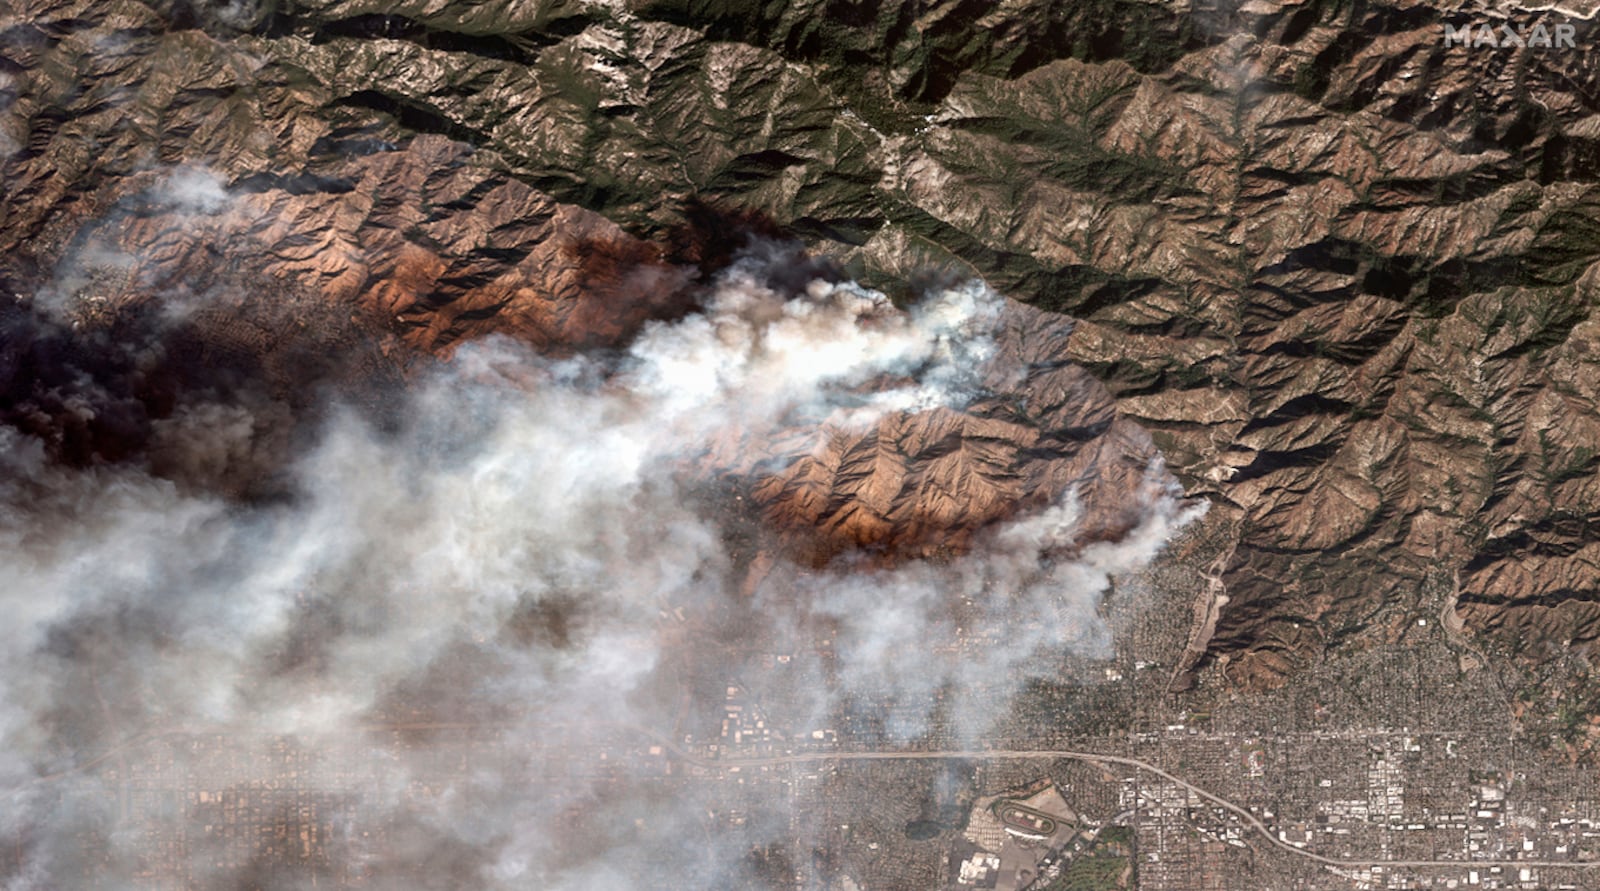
[437, 621]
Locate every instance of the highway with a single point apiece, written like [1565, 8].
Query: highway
[679, 753]
[1096, 757]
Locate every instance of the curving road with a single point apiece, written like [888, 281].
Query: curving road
[678, 752]
[1059, 754]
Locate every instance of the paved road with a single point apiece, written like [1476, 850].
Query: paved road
[1059, 754]
[681, 754]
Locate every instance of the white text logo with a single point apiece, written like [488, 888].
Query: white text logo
[1537, 37]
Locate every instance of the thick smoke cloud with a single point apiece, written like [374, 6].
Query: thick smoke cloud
[520, 554]
[213, 383]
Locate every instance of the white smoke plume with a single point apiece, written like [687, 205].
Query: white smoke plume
[521, 556]
[183, 195]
